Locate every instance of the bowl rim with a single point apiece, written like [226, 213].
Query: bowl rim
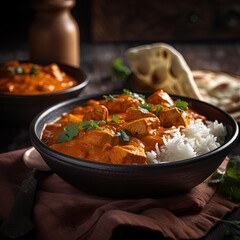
[46, 150]
[80, 85]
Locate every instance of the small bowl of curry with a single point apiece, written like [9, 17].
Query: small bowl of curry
[26, 88]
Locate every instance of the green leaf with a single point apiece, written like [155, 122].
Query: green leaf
[19, 70]
[109, 97]
[11, 69]
[139, 97]
[232, 228]
[233, 168]
[159, 108]
[181, 105]
[34, 70]
[145, 107]
[68, 133]
[228, 182]
[119, 69]
[123, 135]
[90, 125]
[115, 118]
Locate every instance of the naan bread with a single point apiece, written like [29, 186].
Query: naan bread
[220, 88]
[160, 66]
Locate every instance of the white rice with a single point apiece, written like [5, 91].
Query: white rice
[182, 143]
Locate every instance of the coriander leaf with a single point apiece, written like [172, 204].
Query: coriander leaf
[123, 135]
[233, 168]
[34, 70]
[181, 105]
[90, 125]
[228, 182]
[119, 69]
[115, 118]
[68, 133]
[139, 97]
[19, 70]
[159, 108]
[109, 97]
[145, 107]
[232, 228]
[11, 69]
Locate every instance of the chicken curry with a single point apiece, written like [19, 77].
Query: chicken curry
[118, 128]
[30, 79]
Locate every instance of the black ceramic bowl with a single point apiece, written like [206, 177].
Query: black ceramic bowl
[19, 110]
[134, 180]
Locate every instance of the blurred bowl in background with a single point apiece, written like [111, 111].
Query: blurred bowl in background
[19, 110]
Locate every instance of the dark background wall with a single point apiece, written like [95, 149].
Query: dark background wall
[17, 15]
[135, 20]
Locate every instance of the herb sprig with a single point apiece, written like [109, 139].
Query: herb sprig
[228, 182]
[72, 130]
[139, 97]
[119, 69]
[181, 105]
[232, 229]
[21, 70]
[123, 135]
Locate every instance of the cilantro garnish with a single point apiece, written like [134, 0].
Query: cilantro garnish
[139, 97]
[228, 182]
[21, 70]
[72, 130]
[123, 135]
[158, 109]
[90, 125]
[68, 133]
[112, 97]
[109, 97]
[34, 70]
[181, 105]
[232, 229]
[119, 69]
[16, 71]
[115, 118]
[145, 107]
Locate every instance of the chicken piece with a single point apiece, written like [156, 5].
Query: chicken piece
[150, 142]
[127, 154]
[98, 113]
[54, 70]
[161, 98]
[97, 138]
[120, 104]
[134, 113]
[141, 126]
[173, 117]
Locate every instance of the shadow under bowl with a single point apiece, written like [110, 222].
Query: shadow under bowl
[134, 181]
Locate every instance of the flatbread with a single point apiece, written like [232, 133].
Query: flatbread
[220, 88]
[160, 66]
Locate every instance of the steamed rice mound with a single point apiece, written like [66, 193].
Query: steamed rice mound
[183, 143]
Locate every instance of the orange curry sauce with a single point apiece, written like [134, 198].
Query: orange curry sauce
[118, 115]
[32, 79]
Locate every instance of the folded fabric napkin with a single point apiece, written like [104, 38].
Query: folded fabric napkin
[62, 211]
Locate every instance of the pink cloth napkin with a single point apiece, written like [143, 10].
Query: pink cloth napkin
[63, 212]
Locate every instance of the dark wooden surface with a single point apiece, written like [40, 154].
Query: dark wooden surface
[165, 20]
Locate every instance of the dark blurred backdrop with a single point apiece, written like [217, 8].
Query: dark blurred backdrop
[135, 20]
